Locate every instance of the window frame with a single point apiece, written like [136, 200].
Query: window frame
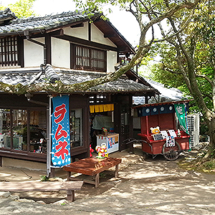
[11, 129]
[90, 67]
[9, 51]
[76, 124]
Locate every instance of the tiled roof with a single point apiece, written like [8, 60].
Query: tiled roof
[48, 22]
[45, 22]
[35, 80]
[166, 94]
[6, 15]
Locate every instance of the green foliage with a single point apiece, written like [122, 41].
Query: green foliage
[209, 165]
[102, 175]
[213, 153]
[21, 8]
[44, 178]
[197, 40]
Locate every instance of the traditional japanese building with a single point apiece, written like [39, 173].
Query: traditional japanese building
[44, 57]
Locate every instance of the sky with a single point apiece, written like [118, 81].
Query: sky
[123, 21]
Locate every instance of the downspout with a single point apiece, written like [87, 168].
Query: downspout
[27, 34]
[49, 138]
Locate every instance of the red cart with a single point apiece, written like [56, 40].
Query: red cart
[166, 121]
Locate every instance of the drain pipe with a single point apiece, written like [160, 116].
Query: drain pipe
[49, 139]
[27, 34]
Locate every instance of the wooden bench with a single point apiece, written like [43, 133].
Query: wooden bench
[92, 167]
[25, 186]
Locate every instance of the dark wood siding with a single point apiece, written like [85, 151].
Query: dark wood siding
[20, 51]
[78, 101]
[48, 48]
[122, 114]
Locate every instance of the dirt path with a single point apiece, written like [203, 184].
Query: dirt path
[151, 186]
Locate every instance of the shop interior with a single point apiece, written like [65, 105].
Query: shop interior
[102, 126]
[14, 127]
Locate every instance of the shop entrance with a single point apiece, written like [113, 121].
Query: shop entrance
[102, 122]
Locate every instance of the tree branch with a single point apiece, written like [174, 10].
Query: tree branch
[206, 78]
[173, 72]
[178, 31]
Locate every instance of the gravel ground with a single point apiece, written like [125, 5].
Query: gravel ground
[151, 186]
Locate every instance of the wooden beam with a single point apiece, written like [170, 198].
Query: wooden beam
[72, 56]
[109, 35]
[48, 48]
[82, 42]
[89, 31]
[56, 32]
[77, 25]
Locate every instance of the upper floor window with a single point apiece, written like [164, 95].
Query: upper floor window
[8, 51]
[89, 59]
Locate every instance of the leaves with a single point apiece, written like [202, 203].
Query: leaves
[188, 59]
[22, 8]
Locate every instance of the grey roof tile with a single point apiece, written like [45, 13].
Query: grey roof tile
[6, 15]
[44, 22]
[166, 94]
[48, 22]
[72, 77]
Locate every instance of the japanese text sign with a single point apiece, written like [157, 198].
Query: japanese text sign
[60, 131]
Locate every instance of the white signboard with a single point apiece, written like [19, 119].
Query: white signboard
[172, 133]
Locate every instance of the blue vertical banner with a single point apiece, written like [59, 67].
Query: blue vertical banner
[60, 131]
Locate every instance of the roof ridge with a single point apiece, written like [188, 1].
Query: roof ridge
[6, 15]
[64, 15]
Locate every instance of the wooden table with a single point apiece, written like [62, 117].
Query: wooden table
[92, 167]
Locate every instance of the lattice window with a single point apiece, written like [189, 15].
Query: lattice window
[8, 52]
[90, 59]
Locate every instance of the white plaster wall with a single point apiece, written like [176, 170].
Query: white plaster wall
[60, 53]
[80, 32]
[98, 36]
[111, 61]
[33, 53]
[60, 49]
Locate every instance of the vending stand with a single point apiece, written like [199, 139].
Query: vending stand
[158, 128]
[111, 140]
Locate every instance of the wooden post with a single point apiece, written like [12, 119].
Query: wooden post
[0, 161]
[116, 171]
[71, 195]
[97, 180]
[147, 125]
[52, 173]
[68, 176]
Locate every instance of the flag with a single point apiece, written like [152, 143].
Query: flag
[60, 131]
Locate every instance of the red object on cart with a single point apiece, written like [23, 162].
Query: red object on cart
[165, 121]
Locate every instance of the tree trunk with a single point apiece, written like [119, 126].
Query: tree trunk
[211, 130]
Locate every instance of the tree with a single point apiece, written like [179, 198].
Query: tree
[22, 8]
[189, 58]
[147, 14]
[146, 17]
